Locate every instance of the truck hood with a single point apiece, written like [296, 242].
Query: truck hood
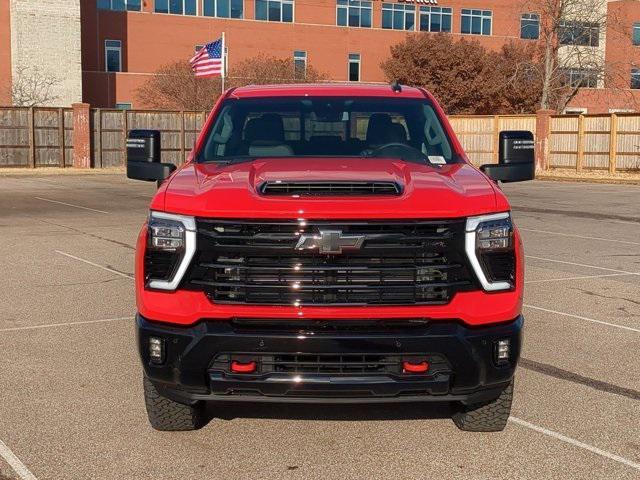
[232, 191]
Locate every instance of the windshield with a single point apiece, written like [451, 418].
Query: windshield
[407, 129]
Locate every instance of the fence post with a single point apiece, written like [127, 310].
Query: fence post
[613, 143]
[61, 135]
[125, 133]
[32, 137]
[81, 135]
[183, 140]
[580, 156]
[543, 132]
[98, 143]
[496, 137]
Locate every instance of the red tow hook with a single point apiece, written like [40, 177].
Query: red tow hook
[415, 367]
[240, 367]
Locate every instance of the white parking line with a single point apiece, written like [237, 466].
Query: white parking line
[67, 324]
[582, 277]
[552, 260]
[576, 443]
[555, 312]
[126, 275]
[14, 462]
[579, 236]
[71, 205]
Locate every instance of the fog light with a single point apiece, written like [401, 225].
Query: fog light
[156, 349]
[503, 350]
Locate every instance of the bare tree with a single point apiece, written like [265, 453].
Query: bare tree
[264, 69]
[31, 87]
[175, 87]
[571, 56]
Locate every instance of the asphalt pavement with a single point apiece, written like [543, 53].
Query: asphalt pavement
[71, 403]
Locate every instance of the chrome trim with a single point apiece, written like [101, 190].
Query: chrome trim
[470, 247]
[189, 224]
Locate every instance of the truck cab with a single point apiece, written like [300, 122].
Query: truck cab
[329, 244]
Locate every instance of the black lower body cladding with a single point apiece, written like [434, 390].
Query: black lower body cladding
[330, 361]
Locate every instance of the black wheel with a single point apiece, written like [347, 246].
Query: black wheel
[487, 416]
[167, 415]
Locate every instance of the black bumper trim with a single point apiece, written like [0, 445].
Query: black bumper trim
[186, 375]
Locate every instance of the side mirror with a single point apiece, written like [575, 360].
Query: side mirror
[516, 158]
[143, 157]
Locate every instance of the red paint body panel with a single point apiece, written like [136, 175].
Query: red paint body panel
[450, 191]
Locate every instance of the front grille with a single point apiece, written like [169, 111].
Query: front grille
[397, 263]
[328, 364]
[330, 188]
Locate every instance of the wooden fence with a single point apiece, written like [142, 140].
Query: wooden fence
[479, 134]
[110, 127]
[38, 137]
[595, 142]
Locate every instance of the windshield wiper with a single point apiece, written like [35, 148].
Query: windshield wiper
[228, 160]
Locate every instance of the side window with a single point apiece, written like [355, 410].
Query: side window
[354, 67]
[530, 26]
[113, 55]
[274, 10]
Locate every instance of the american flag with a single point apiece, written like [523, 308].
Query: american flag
[208, 62]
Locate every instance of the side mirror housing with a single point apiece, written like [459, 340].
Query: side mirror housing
[516, 158]
[143, 157]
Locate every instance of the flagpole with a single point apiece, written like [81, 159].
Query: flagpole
[224, 61]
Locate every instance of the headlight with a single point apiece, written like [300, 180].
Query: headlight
[171, 244]
[489, 244]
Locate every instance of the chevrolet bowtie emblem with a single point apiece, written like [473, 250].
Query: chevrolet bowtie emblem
[330, 241]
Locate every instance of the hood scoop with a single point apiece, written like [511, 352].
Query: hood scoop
[330, 188]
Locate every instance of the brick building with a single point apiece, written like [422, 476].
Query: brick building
[104, 49]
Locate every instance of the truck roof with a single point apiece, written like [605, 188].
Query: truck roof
[325, 89]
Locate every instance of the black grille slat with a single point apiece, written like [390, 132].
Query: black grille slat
[329, 363]
[411, 262]
[330, 188]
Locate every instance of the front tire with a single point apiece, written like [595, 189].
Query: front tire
[489, 416]
[166, 415]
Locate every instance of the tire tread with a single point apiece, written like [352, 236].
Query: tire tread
[167, 415]
[489, 416]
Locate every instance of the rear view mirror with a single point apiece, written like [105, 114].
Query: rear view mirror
[143, 157]
[516, 158]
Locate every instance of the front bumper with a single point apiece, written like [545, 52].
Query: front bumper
[467, 370]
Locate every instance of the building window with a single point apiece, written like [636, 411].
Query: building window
[476, 22]
[635, 78]
[585, 34]
[530, 26]
[124, 106]
[580, 77]
[177, 7]
[435, 19]
[120, 5]
[274, 10]
[398, 16]
[223, 8]
[299, 64]
[636, 34]
[354, 67]
[113, 55]
[353, 13]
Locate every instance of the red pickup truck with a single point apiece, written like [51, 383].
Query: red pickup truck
[331, 244]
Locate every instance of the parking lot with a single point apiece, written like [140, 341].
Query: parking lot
[70, 380]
